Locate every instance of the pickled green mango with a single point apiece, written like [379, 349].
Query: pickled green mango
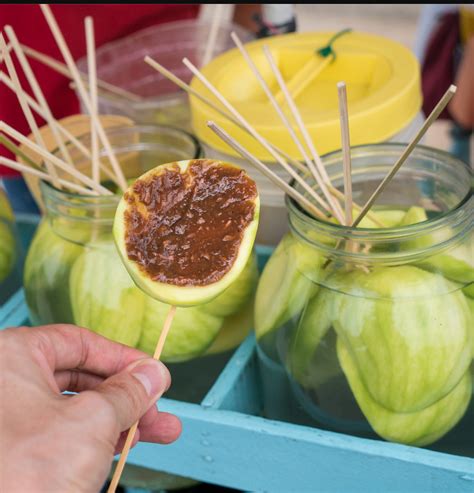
[456, 264]
[408, 332]
[418, 428]
[283, 290]
[46, 276]
[237, 294]
[389, 217]
[6, 211]
[7, 251]
[103, 296]
[235, 329]
[313, 325]
[192, 332]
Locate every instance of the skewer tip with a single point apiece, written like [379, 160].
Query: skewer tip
[341, 85]
[452, 89]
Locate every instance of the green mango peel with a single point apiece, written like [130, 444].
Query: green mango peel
[46, 276]
[456, 264]
[418, 428]
[235, 297]
[283, 290]
[408, 332]
[103, 296]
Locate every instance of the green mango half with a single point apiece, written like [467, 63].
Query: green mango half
[235, 329]
[283, 290]
[456, 264]
[103, 296]
[408, 332]
[6, 211]
[313, 325]
[7, 250]
[46, 276]
[235, 297]
[191, 333]
[175, 294]
[417, 428]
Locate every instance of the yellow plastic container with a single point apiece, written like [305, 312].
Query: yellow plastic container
[384, 95]
[383, 87]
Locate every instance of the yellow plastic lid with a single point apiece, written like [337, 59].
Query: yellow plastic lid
[383, 88]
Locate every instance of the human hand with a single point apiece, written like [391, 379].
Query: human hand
[51, 442]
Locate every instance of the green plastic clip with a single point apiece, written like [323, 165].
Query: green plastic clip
[327, 50]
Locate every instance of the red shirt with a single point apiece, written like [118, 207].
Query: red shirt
[111, 21]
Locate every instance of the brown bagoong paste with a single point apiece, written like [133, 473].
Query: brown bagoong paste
[186, 229]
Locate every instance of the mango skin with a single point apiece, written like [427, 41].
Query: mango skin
[283, 290]
[235, 297]
[103, 297]
[46, 276]
[456, 264]
[7, 250]
[418, 428]
[408, 332]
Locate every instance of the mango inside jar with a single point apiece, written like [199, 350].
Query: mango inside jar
[377, 340]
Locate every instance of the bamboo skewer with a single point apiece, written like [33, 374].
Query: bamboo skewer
[25, 108]
[305, 76]
[68, 135]
[9, 163]
[211, 39]
[409, 148]
[91, 65]
[4, 127]
[346, 151]
[299, 121]
[77, 79]
[303, 201]
[279, 110]
[254, 133]
[131, 433]
[62, 69]
[37, 92]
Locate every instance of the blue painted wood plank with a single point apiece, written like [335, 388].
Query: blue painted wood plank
[255, 454]
[237, 386]
[14, 312]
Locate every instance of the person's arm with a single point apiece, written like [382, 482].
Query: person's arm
[245, 15]
[55, 442]
[462, 104]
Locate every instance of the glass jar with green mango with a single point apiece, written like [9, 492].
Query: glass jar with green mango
[10, 250]
[73, 273]
[370, 330]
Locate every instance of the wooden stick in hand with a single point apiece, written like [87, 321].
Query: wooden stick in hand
[131, 433]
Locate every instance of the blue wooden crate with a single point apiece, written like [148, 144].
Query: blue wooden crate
[226, 442]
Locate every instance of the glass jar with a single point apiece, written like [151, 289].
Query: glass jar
[10, 251]
[73, 273]
[370, 330]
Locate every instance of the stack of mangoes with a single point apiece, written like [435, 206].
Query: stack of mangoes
[405, 333]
